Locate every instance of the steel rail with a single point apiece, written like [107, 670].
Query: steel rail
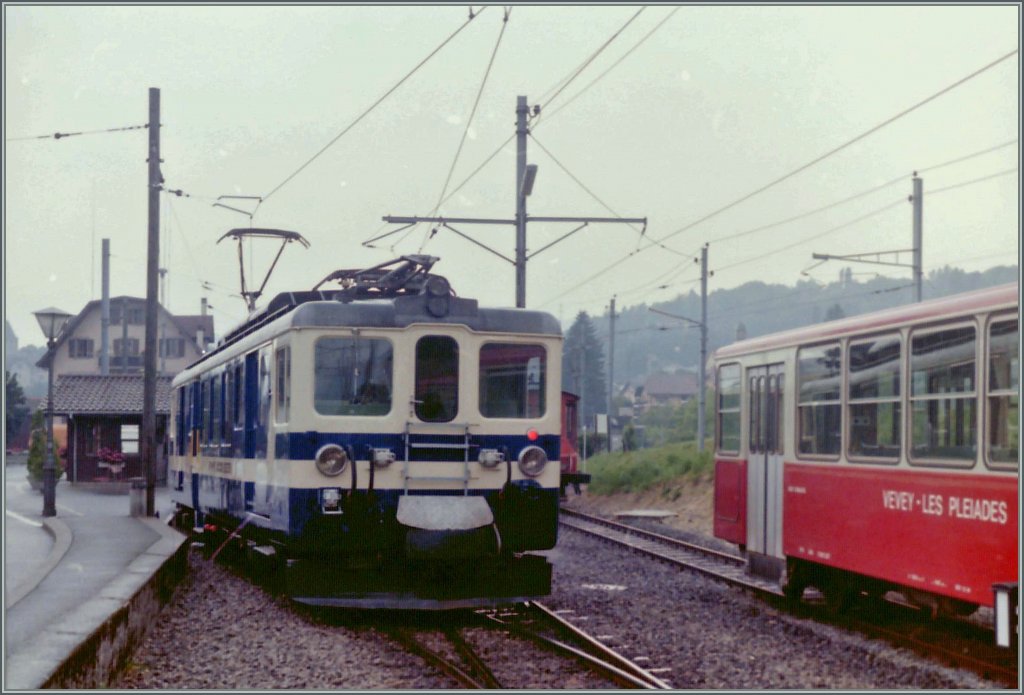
[723, 566]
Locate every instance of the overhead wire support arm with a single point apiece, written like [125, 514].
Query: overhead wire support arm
[481, 245]
[861, 257]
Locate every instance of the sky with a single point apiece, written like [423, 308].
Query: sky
[713, 122]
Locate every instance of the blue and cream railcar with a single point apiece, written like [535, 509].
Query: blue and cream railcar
[388, 449]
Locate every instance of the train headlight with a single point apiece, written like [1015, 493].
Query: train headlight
[382, 458]
[532, 460]
[489, 458]
[331, 459]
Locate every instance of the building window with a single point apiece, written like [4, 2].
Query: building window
[80, 347]
[352, 376]
[819, 414]
[729, 388]
[874, 398]
[172, 347]
[129, 439]
[1003, 394]
[512, 380]
[943, 400]
[136, 315]
[126, 347]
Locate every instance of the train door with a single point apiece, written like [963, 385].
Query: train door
[764, 469]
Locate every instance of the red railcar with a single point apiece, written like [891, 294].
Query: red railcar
[877, 453]
[571, 474]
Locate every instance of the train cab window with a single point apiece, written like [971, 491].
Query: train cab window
[818, 385]
[730, 386]
[513, 380]
[352, 376]
[943, 399]
[1003, 394]
[873, 408]
[284, 384]
[437, 378]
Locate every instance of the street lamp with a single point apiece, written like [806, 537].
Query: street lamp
[52, 322]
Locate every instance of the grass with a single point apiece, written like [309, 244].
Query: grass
[637, 471]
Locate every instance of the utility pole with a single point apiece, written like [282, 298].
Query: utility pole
[703, 324]
[525, 177]
[152, 256]
[703, 345]
[611, 368]
[917, 198]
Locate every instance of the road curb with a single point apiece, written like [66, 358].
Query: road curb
[62, 536]
[92, 644]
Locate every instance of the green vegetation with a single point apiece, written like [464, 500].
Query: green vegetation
[636, 471]
[666, 424]
[37, 449]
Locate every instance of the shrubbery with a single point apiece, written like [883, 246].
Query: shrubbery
[636, 471]
[37, 449]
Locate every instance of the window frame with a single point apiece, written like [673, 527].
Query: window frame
[798, 403]
[282, 384]
[418, 402]
[355, 336]
[738, 410]
[908, 423]
[1000, 466]
[543, 385]
[901, 400]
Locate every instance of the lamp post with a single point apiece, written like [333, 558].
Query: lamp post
[52, 322]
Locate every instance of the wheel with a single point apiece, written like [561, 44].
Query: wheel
[839, 594]
[796, 582]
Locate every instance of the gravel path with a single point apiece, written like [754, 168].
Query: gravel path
[222, 632]
[713, 636]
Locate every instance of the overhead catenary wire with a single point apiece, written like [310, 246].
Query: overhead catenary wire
[469, 121]
[375, 104]
[873, 213]
[59, 135]
[794, 172]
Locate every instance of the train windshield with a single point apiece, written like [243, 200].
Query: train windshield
[352, 376]
[513, 379]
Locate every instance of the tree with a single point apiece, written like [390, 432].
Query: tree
[16, 407]
[583, 366]
[835, 312]
[37, 449]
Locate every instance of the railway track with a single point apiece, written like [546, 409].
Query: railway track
[449, 647]
[957, 643]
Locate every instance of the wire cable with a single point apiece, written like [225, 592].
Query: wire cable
[800, 169]
[589, 60]
[469, 122]
[388, 93]
[58, 136]
[613, 65]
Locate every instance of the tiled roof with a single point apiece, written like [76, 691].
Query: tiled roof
[95, 394]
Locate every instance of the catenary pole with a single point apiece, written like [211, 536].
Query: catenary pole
[918, 200]
[611, 367]
[703, 346]
[152, 256]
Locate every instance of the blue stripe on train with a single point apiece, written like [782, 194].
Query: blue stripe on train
[304, 445]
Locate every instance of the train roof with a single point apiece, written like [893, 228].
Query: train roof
[992, 298]
[327, 309]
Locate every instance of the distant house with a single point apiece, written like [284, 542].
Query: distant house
[669, 388]
[104, 411]
[181, 339]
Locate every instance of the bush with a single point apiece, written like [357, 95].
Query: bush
[37, 449]
[636, 471]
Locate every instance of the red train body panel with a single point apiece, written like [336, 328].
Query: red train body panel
[945, 533]
[878, 452]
